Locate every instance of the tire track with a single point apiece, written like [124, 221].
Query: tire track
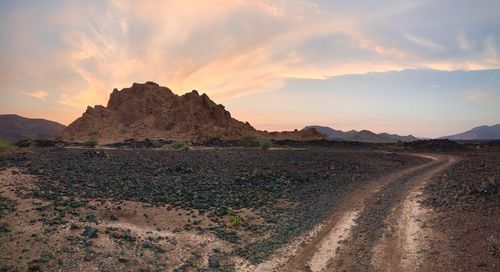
[348, 239]
[404, 239]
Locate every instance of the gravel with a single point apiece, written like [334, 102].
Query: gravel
[310, 182]
[467, 199]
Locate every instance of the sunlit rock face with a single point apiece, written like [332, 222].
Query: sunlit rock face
[155, 112]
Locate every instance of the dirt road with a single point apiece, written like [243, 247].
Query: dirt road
[380, 227]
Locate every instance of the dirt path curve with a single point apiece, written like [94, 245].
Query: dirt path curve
[376, 228]
[406, 238]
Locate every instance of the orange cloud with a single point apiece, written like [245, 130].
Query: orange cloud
[40, 94]
[225, 48]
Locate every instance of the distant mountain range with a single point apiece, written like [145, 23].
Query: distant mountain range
[478, 133]
[361, 136]
[14, 128]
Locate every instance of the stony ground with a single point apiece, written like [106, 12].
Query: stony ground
[379, 227]
[466, 199]
[233, 209]
[206, 210]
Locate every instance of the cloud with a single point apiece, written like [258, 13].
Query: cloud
[490, 52]
[482, 96]
[423, 42]
[268, 8]
[463, 42]
[37, 94]
[227, 48]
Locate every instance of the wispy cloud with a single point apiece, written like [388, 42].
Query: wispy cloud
[37, 94]
[482, 96]
[490, 52]
[463, 42]
[230, 48]
[424, 42]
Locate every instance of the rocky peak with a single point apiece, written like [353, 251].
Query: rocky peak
[148, 92]
[151, 111]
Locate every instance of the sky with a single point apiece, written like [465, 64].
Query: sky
[427, 68]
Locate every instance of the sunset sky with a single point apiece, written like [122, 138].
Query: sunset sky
[427, 68]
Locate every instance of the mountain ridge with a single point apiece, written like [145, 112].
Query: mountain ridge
[14, 127]
[484, 132]
[361, 136]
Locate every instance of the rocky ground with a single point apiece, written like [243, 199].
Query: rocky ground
[207, 210]
[440, 216]
[466, 199]
[317, 207]
[378, 227]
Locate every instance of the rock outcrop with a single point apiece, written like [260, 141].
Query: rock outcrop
[154, 112]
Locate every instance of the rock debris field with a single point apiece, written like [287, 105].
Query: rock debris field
[198, 210]
[245, 209]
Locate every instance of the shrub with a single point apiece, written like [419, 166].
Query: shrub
[233, 220]
[179, 145]
[156, 144]
[90, 143]
[265, 144]
[246, 141]
[4, 145]
[399, 144]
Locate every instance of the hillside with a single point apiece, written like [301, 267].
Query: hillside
[361, 136]
[478, 133]
[14, 128]
[151, 111]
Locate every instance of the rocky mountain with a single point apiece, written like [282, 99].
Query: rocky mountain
[14, 128]
[151, 111]
[361, 136]
[478, 133]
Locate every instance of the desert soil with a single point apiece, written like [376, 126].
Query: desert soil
[314, 209]
[375, 228]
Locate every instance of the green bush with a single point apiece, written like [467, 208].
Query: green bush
[179, 145]
[246, 141]
[399, 144]
[90, 143]
[4, 145]
[156, 144]
[233, 220]
[265, 144]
